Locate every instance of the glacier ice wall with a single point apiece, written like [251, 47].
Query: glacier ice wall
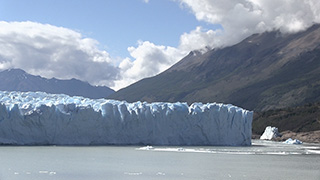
[37, 118]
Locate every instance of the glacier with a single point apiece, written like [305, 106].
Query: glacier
[38, 118]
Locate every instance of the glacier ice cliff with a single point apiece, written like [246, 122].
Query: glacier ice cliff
[37, 118]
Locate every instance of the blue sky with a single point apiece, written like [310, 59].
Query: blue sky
[118, 42]
[116, 24]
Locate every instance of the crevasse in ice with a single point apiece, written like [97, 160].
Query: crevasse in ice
[37, 118]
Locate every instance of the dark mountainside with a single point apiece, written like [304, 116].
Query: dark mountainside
[302, 122]
[19, 80]
[296, 119]
[263, 72]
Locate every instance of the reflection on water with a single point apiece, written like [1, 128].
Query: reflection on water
[262, 160]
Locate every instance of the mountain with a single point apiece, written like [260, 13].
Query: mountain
[265, 71]
[19, 80]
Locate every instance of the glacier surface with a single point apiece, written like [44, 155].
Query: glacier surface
[37, 118]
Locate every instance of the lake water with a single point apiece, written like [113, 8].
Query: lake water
[262, 160]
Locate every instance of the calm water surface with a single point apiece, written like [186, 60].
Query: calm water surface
[263, 160]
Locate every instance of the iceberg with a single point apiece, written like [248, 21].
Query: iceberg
[270, 133]
[38, 118]
[291, 141]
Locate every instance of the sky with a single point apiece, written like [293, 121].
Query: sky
[116, 43]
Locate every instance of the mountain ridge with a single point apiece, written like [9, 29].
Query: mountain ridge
[264, 71]
[19, 80]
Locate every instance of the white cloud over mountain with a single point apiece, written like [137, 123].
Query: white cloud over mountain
[241, 18]
[149, 60]
[51, 51]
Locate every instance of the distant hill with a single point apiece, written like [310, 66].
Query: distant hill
[265, 71]
[19, 80]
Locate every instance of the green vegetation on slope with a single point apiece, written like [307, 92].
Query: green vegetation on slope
[297, 119]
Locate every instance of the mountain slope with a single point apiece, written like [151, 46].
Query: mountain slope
[297, 119]
[265, 71]
[19, 80]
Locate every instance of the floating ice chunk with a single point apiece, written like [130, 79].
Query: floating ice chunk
[161, 174]
[146, 148]
[270, 133]
[133, 173]
[291, 141]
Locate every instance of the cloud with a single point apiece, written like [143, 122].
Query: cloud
[51, 51]
[241, 18]
[149, 60]
[199, 39]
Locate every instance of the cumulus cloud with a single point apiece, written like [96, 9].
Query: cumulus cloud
[199, 39]
[51, 51]
[241, 18]
[149, 60]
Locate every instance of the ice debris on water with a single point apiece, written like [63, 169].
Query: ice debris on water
[291, 141]
[38, 118]
[146, 148]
